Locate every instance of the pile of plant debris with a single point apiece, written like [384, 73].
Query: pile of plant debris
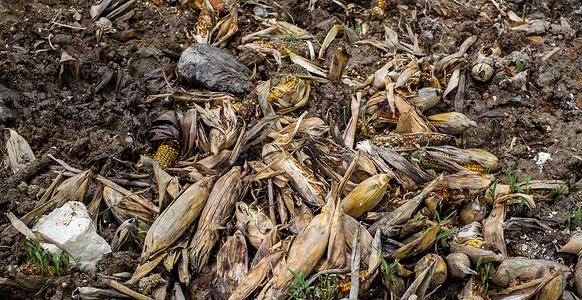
[394, 149]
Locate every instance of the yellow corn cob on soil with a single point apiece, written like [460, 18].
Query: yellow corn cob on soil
[167, 153]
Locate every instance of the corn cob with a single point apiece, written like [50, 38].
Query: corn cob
[455, 159]
[474, 168]
[440, 272]
[418, 246]
[459, 265]
[307, 186]
[167, 153]
[177, 218]
[232, 263]
[474, 243]
[365, 196]
[307, 249]
[345, 285]
[204, 24]
[216, 213]
[411, 141]
[285, 87]
[451, 123]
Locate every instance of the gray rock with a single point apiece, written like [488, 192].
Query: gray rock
[214, 69]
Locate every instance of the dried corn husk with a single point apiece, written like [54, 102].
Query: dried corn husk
[222, 120]
[19, 152]
[418, 246]
[216, 213]
[124, 208]
[404, 212]
[309, 66]
[578, 277]
[338, 64]
[91, 293]
[466, 179]
[524, 268]
[440, 272]
[420, 285]
[301, 181]
[472, 211]
[256, 276]
[128, 194]
[554, 288]
[224, 29]
[328, 39]
[336, 250]
[232, 263]
[574, 245]
[469, 293]
[177, 218]
[476, 249]
[366, 195]
[451, 122]
[253, 223]
[290, 95]
[301, 216]
[350, 226]
[459, 265]
[493, 228]
[337, 158]
[532, 289]
[307, 249]
[396, 160]
[267, 245]
[427, 98]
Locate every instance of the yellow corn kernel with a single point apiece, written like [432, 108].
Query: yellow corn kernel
[475, 168]
[473, 243]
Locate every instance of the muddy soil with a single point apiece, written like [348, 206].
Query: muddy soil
[78, 119]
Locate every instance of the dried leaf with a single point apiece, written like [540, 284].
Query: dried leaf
[328, 39]
[19, 152]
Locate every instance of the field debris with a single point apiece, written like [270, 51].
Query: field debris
[231, 149]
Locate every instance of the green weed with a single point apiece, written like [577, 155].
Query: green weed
[512, 274]
[301, 289]
[512, 181]
[492, 191]
[518, 65]
[287, 17]
[144, 224]
[327, 289]
[388, 270]
[557, 192]
[443, 47]
[45, 263]
[423, 150]
[483, 274]
[577, 213]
